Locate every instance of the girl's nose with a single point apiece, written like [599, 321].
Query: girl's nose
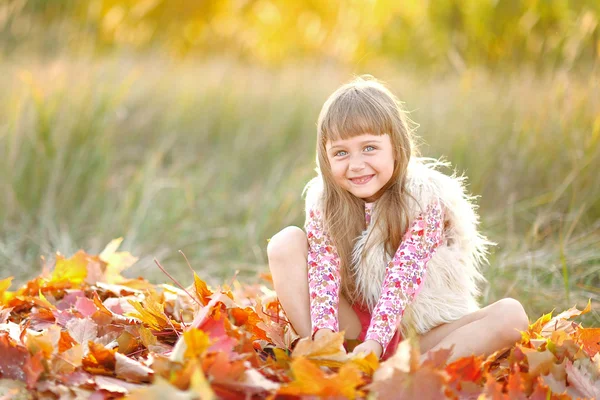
[356, 164]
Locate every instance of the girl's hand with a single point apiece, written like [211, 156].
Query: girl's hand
[369, 346]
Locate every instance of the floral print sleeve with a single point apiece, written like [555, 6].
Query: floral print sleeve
[323, 275]
[405, 273]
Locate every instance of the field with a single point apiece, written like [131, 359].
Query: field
[210, 157]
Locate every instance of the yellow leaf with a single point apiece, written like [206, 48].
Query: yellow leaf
[4, 285]
[536, 327]
[368, 364]
[43, 301]
[196, 341]
[146, 336]
[200, 385]
[115, 261]
[73, 269]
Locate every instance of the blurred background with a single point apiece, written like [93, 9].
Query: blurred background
[191, 125]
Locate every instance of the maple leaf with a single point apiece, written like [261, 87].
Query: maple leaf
[72, 270]
[99, 359]
[196, 343]
[424, 383]
[584, 381]
[4, 285]
[202, 290]
[80, 334]
[466, 369]
[560, 322]
[67, 361]
[539, 362]
[248, 319]
[131, 370]
[150, 311]
[590, 339]
[17, 363]
[516, 385]
[327, 350]
[82, 331]
[309, 379]
[127, 343]
[115, 261]
[366, 363]
[45, 342]
[161, 389]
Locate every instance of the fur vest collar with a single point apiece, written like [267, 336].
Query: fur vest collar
[450, 287]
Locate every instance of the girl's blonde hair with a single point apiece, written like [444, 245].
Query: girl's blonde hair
[362, 106]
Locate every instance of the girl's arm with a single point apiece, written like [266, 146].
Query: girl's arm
[404, 274]
[323, 275]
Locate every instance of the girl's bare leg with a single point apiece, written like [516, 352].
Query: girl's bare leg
[288, 252]
[481, 332]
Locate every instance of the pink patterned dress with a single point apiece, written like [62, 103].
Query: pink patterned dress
[403, 277]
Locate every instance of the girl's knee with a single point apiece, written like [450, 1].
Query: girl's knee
[288, 240]
[511, 314]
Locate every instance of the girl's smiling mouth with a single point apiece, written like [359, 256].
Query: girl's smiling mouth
[362, 179]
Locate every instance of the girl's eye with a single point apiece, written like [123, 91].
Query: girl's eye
[340, 153]
[370, 147]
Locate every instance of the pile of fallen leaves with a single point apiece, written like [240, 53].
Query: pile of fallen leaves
[82, 330]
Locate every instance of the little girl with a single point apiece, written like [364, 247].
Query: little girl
[391, 243]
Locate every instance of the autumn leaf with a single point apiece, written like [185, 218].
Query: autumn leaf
[131, 370]
[83, 329]
[150, 311]
[585, 381]
[424, 383]
[327, 350]
[73, 270]
[202, 290]
[4, 285]
[196, 343]
[561, 321]
[115, 261]
[16, 362]
[465, 369]
[590, 339]
[539, 362]
[309, 379]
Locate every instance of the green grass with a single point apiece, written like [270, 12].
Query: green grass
[211, 157]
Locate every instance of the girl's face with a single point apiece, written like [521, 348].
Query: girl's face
[363, 164]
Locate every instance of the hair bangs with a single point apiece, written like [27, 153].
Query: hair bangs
[356, 113]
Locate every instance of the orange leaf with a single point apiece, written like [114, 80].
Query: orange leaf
[309, 379]
[248, 318]
[202, 290]
[516, 387]
[590, 339]
[99, 360]
[465, 369]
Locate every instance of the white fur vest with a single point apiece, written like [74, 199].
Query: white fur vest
[450, 286]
